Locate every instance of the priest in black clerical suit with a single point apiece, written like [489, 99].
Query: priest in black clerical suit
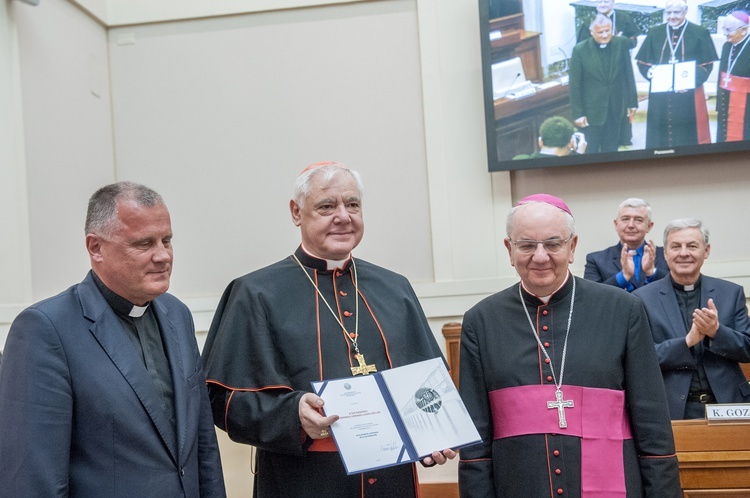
[317, 314]
[733, 120]
[677, 118]
[602, 86]
[700, 326]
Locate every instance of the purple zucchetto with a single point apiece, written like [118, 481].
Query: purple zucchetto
[547, 199]
[741, 15]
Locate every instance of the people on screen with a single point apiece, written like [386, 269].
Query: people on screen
[733, 120]
[699, 324]
[622, 23]
[677, 58]
[602, 86]
[557, 138]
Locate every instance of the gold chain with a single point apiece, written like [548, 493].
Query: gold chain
[356, 303]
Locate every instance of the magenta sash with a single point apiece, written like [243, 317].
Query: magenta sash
[598, 417]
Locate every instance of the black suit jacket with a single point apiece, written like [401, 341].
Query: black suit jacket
[721, 355]
[603, 266]
[79, 413]
[596, 92]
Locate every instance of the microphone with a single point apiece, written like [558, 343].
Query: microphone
[511, 85]
[564, 77]
[566, 58]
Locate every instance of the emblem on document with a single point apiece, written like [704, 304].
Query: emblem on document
[428, 400]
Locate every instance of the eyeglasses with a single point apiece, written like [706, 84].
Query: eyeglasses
[727, 31]
[552, 246]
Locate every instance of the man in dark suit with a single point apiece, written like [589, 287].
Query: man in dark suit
[700, 326]
[622, 23]
[102, 392]
[632, 262]
[602, 86]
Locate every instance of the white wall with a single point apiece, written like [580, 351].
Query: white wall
[15, 264]
[220, 113]
[67, 129]
[239, 105]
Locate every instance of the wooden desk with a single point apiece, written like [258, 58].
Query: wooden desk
[517, 42]
[524, 45]
[517, 122]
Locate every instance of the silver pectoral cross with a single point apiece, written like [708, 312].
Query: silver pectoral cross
[561, 406]
[727, 79]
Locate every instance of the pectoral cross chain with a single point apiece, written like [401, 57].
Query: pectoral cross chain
[560, 405]
[365, 369]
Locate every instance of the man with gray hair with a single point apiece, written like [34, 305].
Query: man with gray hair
[633, 262]
[602, 86]
[700, 326]
[102, 392]
[318, 314]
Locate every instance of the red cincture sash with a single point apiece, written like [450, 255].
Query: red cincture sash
[598, 417]
[701, 116]
[325, 445]
[739, 88]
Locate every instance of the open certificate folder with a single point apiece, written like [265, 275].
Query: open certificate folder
[673, 77]
[397, 416]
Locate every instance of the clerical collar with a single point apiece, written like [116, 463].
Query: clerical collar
[679, 27]
[557, 294]
[311, 261]
[686, 288]
[118, 303]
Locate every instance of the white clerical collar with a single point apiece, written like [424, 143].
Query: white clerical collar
[681, 25]
[545, 299]
[138, 311]
[332, 264]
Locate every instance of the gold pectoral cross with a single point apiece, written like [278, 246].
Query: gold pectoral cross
[561, 406]
[363, 368]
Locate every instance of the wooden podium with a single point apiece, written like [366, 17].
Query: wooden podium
[714, 459]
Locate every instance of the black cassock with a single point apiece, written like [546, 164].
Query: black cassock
[677, 118]
[272, 335]
[733, 120]
[609, 346]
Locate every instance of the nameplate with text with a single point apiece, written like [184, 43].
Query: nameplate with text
[736, 412]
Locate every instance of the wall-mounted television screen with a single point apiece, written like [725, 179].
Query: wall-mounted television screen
[590, 81]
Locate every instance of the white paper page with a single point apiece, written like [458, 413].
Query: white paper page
[662, 78]
[365, 433]
[430, 406]
[684, 76]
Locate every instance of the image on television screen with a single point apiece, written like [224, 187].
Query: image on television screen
[589, 81]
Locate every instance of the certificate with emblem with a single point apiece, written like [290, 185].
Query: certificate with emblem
[675, 77]
[396, 416]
